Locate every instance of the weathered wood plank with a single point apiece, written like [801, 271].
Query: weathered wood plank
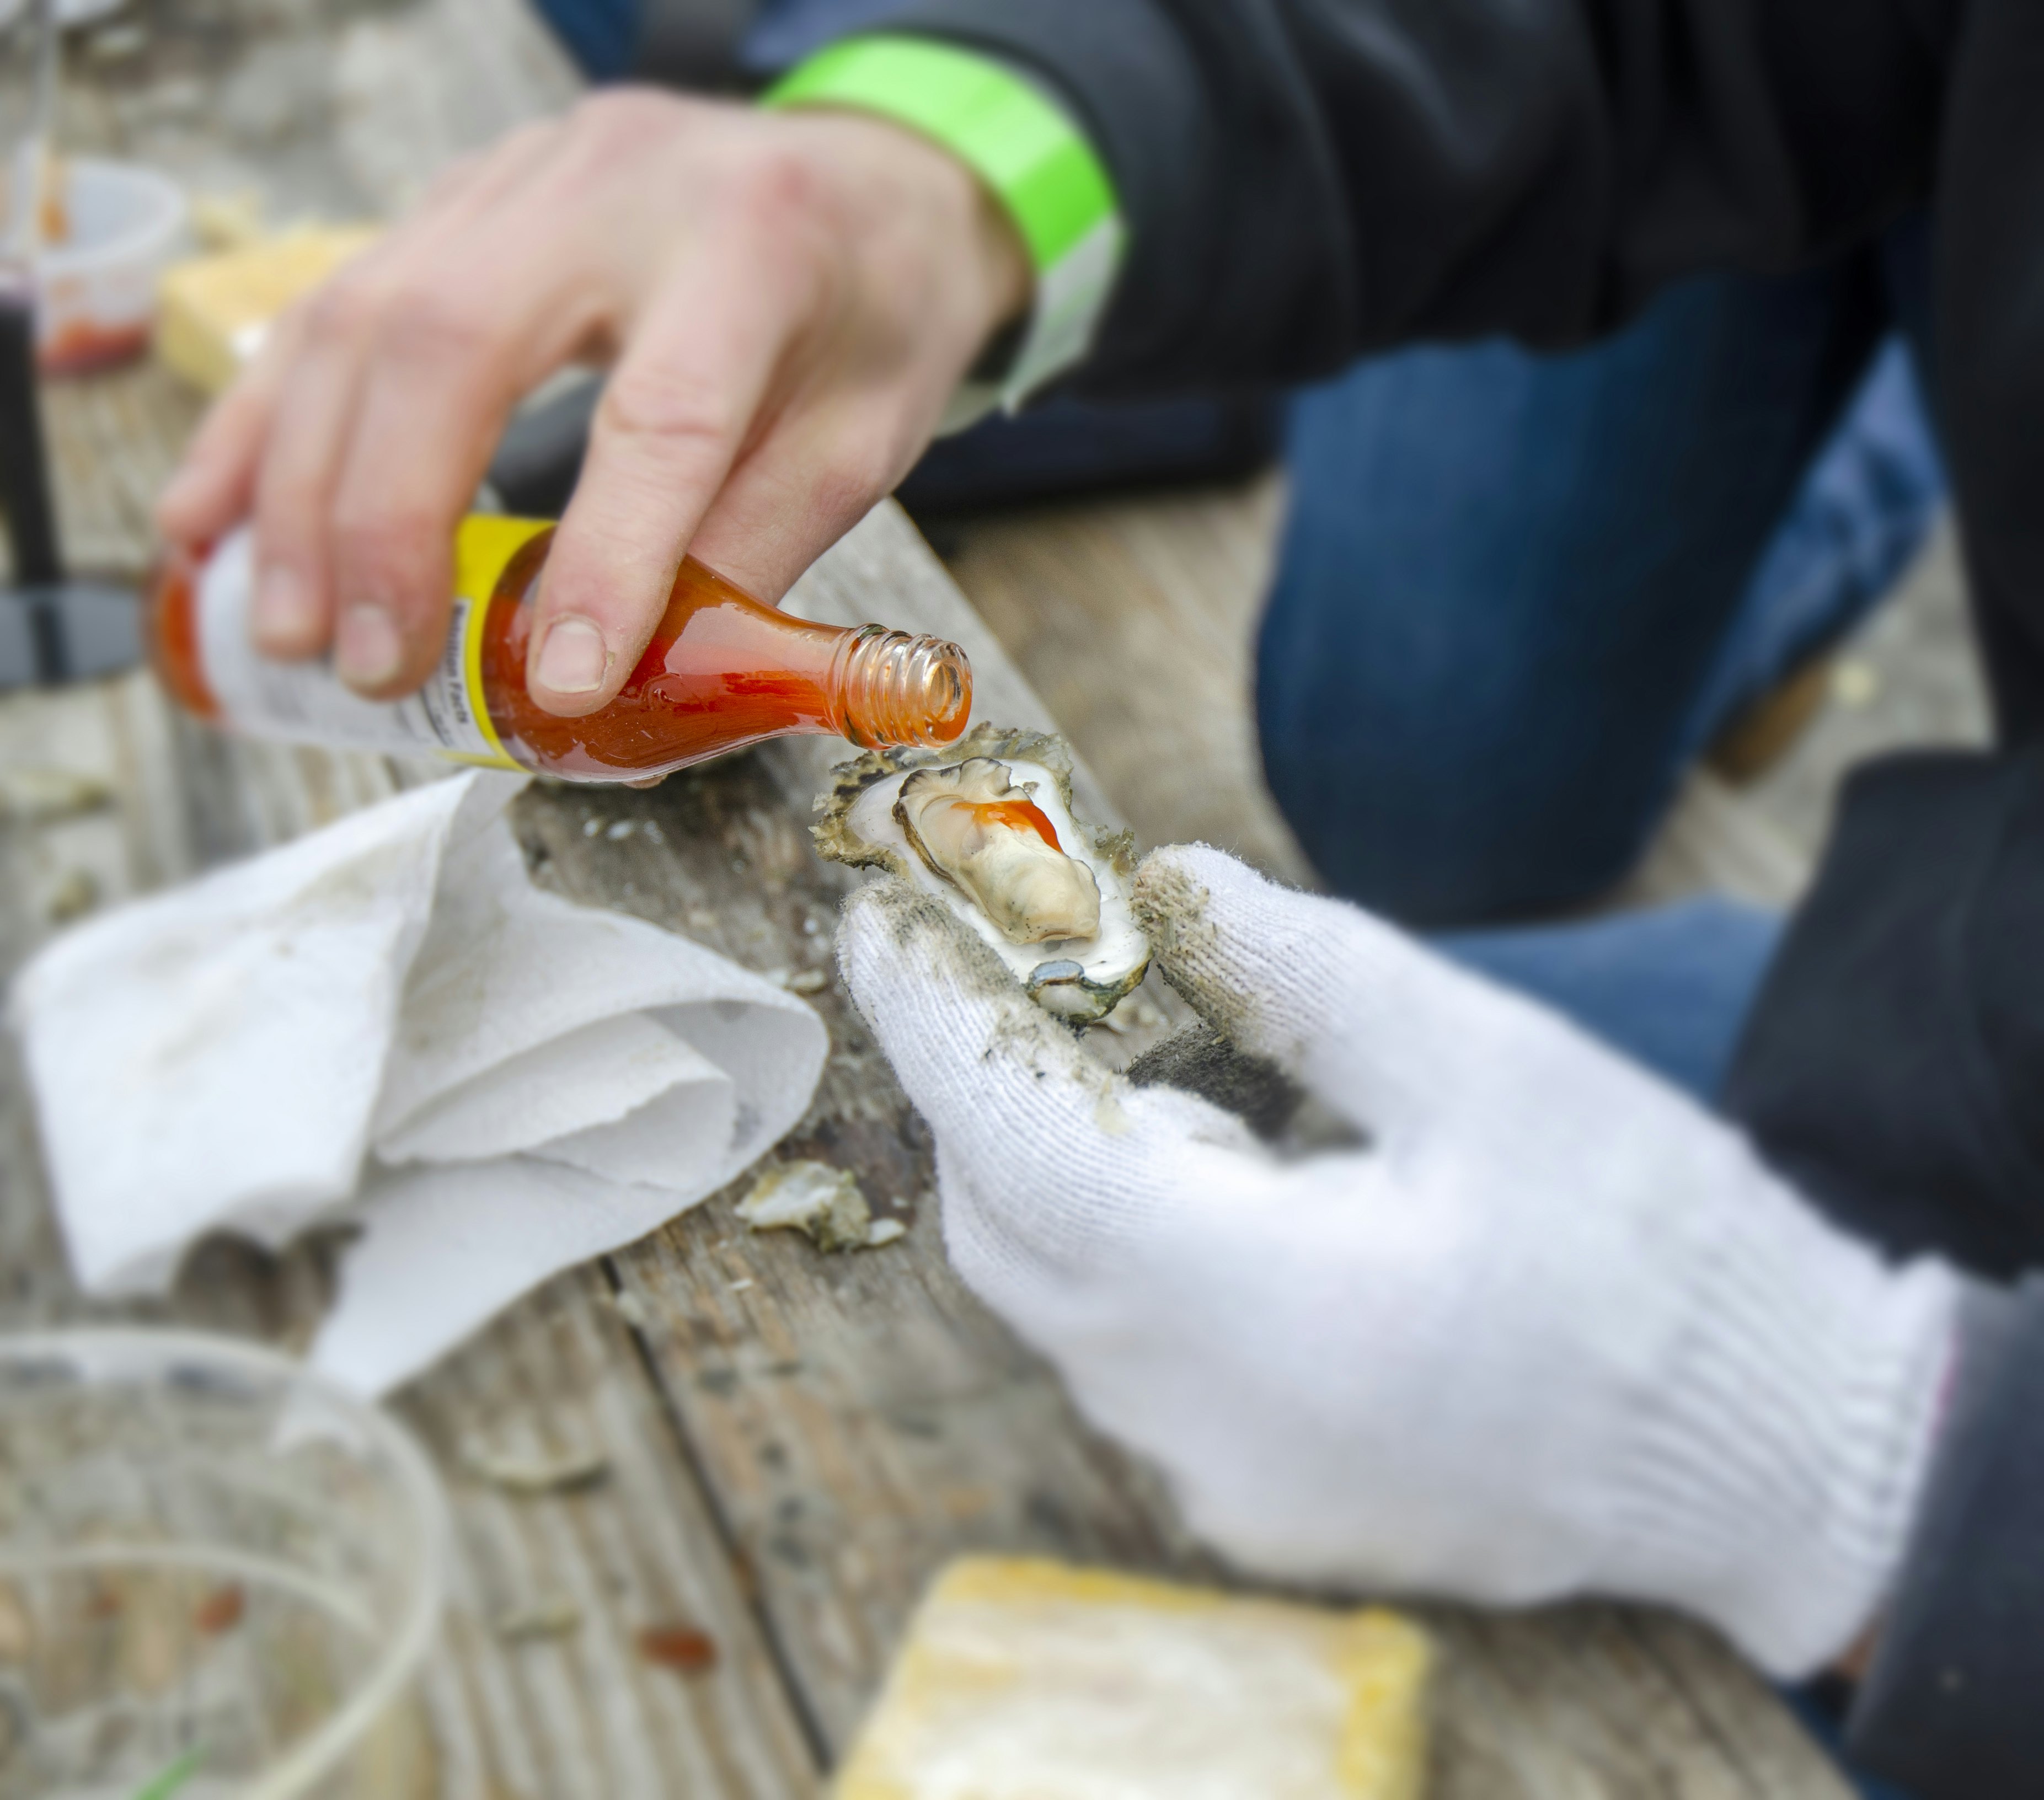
[555, 1590]
[578, 1714]
[1714, 842]
[1604, 1703]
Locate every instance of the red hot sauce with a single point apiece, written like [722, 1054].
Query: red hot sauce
[722, 670]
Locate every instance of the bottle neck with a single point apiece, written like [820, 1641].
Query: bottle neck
[887, 688]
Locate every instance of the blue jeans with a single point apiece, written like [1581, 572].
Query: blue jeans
[1517, 594]
[1671, 987]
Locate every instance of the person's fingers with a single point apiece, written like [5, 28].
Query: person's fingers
[215, 483]
[794, 493]
[309, 426]
[1380, 1028]
[213, 489]
[1062, 1147]
[463, 334]
[274, 444]
[674, 417]
[985, 1064]
[214, 486]
[472, 182]
[762, 307]
[404, 368]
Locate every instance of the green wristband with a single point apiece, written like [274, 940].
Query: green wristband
[1029, 154]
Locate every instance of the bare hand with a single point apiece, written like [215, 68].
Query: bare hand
[789, 301]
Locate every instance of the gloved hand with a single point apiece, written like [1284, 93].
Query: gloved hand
[1553, 1331]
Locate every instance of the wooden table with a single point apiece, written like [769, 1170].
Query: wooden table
[779, 1447]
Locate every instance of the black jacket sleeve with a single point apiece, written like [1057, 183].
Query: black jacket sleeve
[1306, 179]
[1892, 1068]
[1893, 1064]
[1950, 1708]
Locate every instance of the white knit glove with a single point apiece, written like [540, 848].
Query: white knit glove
[1554, 1331]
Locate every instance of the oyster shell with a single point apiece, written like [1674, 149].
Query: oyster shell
[986, 825]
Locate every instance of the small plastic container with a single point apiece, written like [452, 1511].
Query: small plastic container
[113, 230]
[219, 1575]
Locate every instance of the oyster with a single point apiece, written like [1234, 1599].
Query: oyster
[971, 825]
[986, 825]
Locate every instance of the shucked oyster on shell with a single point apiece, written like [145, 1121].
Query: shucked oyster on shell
[986, 826]
[989, 839]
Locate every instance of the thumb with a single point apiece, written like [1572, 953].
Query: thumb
[1058, 1151]
[1380, 1028]
[989, 1069]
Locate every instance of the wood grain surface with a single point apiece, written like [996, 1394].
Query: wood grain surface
[771, 1448]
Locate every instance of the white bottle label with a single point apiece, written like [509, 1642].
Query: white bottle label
[306, 703]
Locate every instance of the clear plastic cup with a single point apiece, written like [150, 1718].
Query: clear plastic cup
[219, 1575]
[96, 281]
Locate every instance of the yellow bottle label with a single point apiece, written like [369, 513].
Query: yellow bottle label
[483, 548]
[306, 702]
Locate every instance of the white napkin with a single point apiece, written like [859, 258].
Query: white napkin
[386, 1023]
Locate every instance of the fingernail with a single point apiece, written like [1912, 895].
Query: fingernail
[572, 659]
[366, 649]
[284, 613]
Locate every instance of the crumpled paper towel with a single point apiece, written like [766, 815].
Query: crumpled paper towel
[386, 1023]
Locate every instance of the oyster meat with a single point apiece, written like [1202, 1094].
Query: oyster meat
[986, 825]
[971, 825]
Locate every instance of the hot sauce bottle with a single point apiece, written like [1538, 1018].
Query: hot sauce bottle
[723, 670]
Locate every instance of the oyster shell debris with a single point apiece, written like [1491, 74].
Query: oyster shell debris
[986, 825]
[826, 1204]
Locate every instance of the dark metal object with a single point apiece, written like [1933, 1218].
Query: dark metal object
[1061, 447]
[83, 629]
[24, 488]
[691, 43]
[539, 458]
[20, 663]
[52, 629]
